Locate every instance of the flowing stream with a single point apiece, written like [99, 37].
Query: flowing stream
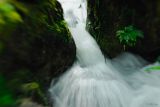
[95, 81]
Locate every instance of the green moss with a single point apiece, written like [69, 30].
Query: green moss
[60, 27]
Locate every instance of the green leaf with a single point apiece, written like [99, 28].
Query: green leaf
[153, 68]
[8, 13]
[6, 7]
[129, 35]
[14, 16]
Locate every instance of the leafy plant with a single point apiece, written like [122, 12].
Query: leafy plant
[6, 99]
[8, 13]
[9, 17]
[129, 35]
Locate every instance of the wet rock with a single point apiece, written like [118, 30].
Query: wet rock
[105, 17]
[38, 49]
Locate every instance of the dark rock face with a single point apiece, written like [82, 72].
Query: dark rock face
[40, 48]
[42, 43]
[105, 17]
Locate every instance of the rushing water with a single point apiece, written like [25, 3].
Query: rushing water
[93, 80]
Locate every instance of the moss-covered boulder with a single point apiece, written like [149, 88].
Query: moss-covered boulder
[106, 17]
[37, 48]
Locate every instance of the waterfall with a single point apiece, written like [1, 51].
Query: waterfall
[95, 81]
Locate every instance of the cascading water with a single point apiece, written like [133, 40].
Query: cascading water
[94, 81]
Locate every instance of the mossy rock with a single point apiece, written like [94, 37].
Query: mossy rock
[106, 17]
[38, 49]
